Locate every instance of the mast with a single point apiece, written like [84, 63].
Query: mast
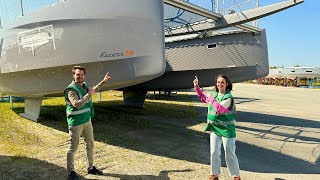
[256, 23]
[21, 8]
[216, 6]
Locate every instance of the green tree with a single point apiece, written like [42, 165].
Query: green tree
[273, 67]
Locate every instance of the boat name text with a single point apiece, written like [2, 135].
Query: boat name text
[126, 53]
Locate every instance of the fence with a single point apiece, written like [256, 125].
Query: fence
[6, 98]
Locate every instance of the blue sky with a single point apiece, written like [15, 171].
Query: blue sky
[293, 35]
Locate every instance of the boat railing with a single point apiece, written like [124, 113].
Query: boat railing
[35, 38]
[176, 19]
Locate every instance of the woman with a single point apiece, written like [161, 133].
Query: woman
[221, 124]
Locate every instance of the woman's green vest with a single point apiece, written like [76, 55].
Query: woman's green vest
[82, 115]
[221, 124]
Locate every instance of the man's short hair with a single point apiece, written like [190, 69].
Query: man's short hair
[78, 67]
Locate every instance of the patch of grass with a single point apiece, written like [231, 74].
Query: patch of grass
[21, 137]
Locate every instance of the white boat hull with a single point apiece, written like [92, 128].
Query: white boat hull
[105, 37]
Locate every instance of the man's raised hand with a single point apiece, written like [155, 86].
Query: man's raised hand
[106, 77]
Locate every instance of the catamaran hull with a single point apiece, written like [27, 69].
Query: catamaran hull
[241, 56]
[119, 37]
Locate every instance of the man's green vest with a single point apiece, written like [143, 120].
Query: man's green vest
[221, 124]
[82, 115]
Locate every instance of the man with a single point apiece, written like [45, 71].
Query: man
[79, 110]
